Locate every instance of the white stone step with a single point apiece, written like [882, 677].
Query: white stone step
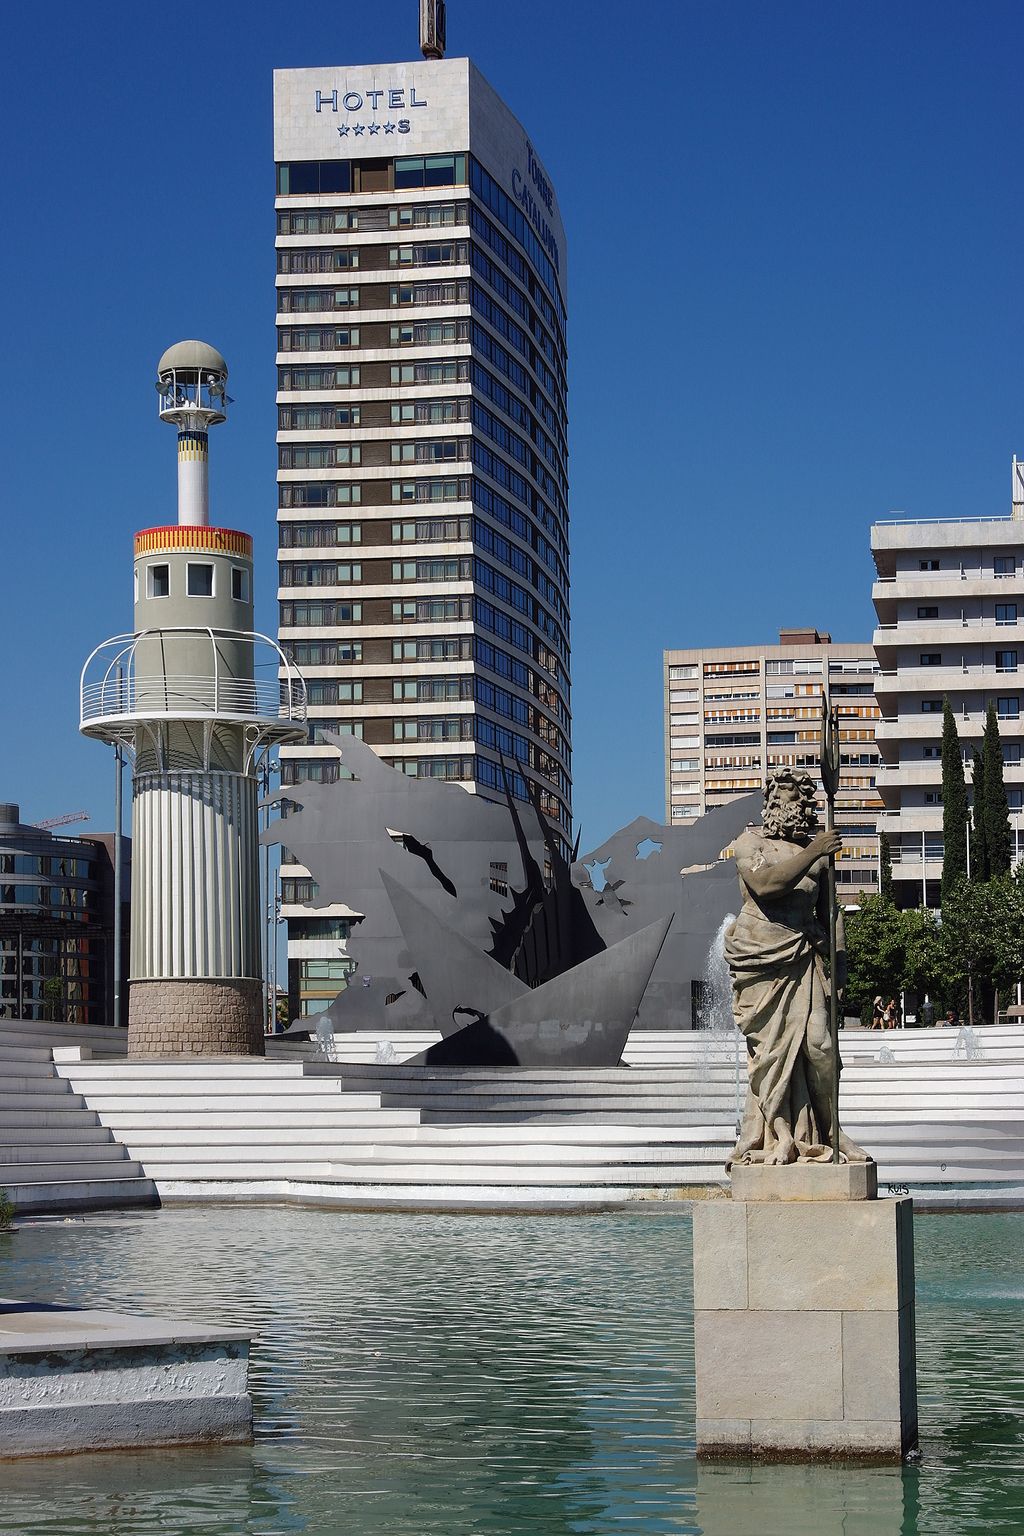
[363, 1196]
[67, 1111]
[25, 1102]
[105, 1100]
[123, 1118]
[23, 1053]
[84, 1170]
[571, 1135]
[610, 1174]
[230, 1069]
[64, 1194]
[73, 1153]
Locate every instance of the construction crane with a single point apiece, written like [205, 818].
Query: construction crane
[61, 821]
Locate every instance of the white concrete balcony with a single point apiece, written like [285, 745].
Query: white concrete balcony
[912, 819]
[925, 774]
[945, 586]
[187, 673]
[972, 678]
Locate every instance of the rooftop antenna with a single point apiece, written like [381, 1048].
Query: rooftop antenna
[433, 38]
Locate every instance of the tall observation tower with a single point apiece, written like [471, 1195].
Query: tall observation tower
[195, 697]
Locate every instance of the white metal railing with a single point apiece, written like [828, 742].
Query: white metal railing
[112, 686]
[913, 522]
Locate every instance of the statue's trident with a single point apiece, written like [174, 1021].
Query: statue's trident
[830, 784]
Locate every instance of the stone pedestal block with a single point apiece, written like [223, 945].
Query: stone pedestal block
[804, 1321]
[200, 1017]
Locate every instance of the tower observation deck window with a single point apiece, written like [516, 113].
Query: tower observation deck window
[158, 581]
[199, 579]
[239, 584]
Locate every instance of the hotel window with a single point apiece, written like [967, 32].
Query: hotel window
[158, 581]
[931, 706]
[430, 293]
[1008, 708]
[199, 579]
[316, 418]
[1011, 751]
[1006, 661]
[1015, 799]
[439, 254]
[430, 171]
[313, 300]
[427, 215]
[928, 565]
[445, 450]
[307, 178]
[430, 333]
[239, 584]
[321, 493]
[930, 658]
[316, 221]
[317, 378]
[450, 371]
[318, 455]
[1006, 613]
[319, 535]
[317, 339]
[928, 613]
[319, 260]
[1004, 565]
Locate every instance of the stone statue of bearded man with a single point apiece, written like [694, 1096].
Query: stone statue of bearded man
[776, 951]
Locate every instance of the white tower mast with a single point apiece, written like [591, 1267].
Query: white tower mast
[183, 696]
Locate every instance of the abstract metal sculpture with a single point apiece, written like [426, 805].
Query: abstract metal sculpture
[466, 914]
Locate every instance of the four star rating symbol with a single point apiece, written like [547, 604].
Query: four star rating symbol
[344, 129]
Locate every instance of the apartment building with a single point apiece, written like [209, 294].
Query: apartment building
[733, 714]
[949, 598]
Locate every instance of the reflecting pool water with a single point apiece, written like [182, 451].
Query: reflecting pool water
[440, 1376]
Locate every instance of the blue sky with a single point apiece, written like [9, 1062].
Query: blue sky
[794, 288]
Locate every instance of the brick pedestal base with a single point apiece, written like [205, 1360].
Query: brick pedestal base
[195, 1018]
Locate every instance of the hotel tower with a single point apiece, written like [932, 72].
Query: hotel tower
[422, 487]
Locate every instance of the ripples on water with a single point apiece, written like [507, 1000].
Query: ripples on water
[490, 1376]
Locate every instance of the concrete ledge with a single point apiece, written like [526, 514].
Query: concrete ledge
[805, 1181]
[74, 1380]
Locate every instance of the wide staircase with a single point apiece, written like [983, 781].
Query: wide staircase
[942, 1111]
[55, 1152]
[323, 1132]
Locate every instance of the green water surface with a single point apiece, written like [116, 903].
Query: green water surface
[428, 1375]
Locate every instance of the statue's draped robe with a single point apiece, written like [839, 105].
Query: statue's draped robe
[780, 1002]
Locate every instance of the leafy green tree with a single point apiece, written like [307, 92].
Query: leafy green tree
[998, 837]
[889, 951]
[983, 938]
[874, 952]
[924, 955]
[979, 830]
[885, 866]
[954, 805]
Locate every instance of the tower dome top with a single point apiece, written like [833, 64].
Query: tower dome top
[192, 354]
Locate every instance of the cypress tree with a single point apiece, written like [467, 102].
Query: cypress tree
[979, 827]
[954, 805]
[998, 838]
[884, 867]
